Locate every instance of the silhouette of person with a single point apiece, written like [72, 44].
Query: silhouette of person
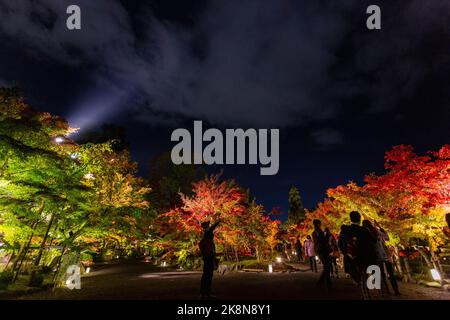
[208, 251]
[298, 249]
[342, 244]
[334, 251]
[323, 250]
[363, 244]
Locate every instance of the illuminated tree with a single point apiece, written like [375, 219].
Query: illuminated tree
[117, 204]
[244, 228]
[37, 177]
[53, 190]
[418, 192]
[272, 234]
[410, 200]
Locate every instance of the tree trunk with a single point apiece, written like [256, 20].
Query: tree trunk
[24, 247]
[41, 249]
[425, 257]
[408, 270]
[70, 240]
[397, 261]
[437, 265]
[19, 255]
[9, 259]
[24, 255]
[443, 273]
[23, 252]
[55, 230]
[398, 264]
[58, 264]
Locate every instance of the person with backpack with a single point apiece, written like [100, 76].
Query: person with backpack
[208, 252]
[323, 250]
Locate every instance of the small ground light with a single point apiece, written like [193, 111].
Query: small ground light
[270, 268]
[278, 259]
[88, 270]
[435, 274]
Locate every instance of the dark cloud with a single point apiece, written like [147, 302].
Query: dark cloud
[249, 63]
[389, 65]
[327, 138]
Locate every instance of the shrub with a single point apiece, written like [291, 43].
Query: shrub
[87, 257]
[6, 278]
[36, 280]
[46, 270]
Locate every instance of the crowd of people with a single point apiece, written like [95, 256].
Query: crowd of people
[357, 246]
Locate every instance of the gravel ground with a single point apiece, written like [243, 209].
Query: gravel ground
[145, 281]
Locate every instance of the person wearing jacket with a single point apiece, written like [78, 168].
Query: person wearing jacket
[208, 251]
[323, 250]
[363, 254]
[310, 253]
[334, 251]
[342, 244]
[384, 255]
[298, 249]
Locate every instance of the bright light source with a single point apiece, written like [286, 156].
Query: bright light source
[164, 264]
[75, 156]
[435, 274]
[89, 176]
[88, 270]
[278, 259]
[59, 140]
[270, 268]
[317, 258]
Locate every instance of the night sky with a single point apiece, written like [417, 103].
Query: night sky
[340, 94]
